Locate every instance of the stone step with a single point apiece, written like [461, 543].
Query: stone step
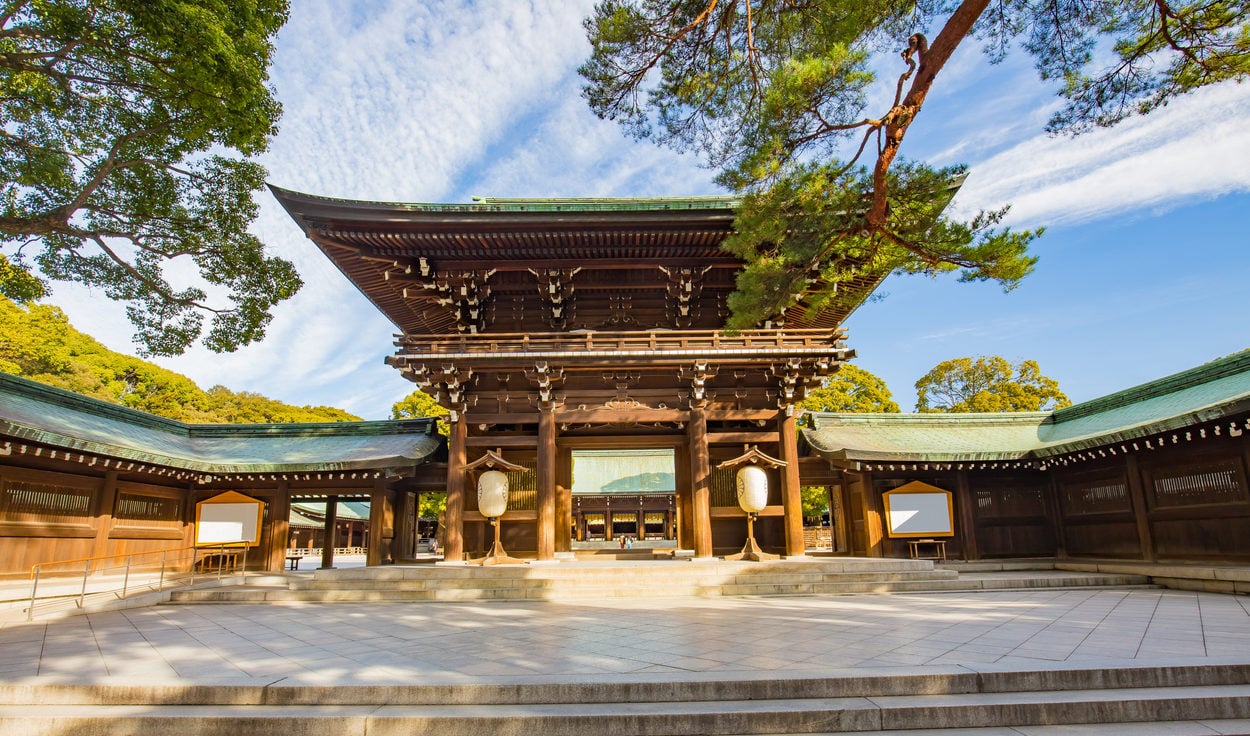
[629, 688]
[607, 579]
[788, 715]
[484, 591]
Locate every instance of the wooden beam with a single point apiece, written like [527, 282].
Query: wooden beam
[495, 440]
[621, 416]
[734, 438]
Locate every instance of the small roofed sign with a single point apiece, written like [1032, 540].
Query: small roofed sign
[229, 518]
[919, 510]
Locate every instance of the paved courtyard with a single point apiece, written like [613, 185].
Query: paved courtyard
[413, 643]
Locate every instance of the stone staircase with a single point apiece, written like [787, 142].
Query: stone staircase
[629, 579]
[1207, 699]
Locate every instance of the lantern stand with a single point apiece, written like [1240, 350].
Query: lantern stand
[492, 499]
[752, 498]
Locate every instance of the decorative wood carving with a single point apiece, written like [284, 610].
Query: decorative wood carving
[448, 384]
[555, 285]
[698, 376]
[685, 285]
[546, 378]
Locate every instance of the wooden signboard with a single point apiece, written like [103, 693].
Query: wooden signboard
[919, 510]
[229, 518]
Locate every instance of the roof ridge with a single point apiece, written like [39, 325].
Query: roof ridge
[1213, 370]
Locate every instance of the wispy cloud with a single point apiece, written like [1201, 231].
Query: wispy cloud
[1197, 147]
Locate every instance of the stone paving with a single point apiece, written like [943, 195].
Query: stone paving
[410, 643]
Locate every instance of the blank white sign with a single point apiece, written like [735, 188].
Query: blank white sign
[919, 513]
[227, 522]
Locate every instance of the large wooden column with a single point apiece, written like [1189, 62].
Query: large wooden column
[331, 529]
[381, 519]
[564, 502]
[453, 550]
[700, 482]
[966, 505]
[791, 497]
[106, 501]
[279, 526]
[1137, 493]
[546, 483]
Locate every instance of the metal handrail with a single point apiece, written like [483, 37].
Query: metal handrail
[218, 549]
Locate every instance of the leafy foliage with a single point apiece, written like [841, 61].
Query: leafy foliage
[852, 389]
[987, 384]
[37, 342]
[120, 116]
[418, 405]
[815, 501]
[771, 92]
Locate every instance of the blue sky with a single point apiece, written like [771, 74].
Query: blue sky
[1144, 271]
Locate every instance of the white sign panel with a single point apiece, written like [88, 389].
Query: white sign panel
[919, 513]
[223, 523]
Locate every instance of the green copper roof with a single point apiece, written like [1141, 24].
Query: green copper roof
[1211, 391]
[45, 415]
[521, 205]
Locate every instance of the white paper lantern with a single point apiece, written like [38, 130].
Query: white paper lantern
[752, 489]
[492, 494]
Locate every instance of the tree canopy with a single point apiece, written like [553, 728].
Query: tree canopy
[773, 92]
[38, 342]
[123, 161]
[852, 389]
[418, 405]
[987, 384]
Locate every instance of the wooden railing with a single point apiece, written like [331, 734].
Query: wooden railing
[636, 341]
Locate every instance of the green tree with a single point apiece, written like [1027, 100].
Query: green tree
[38, 342]
[987, 384]
[852, 389]
[815, 501]
[121, 121]
[418, 405]
[771, 92]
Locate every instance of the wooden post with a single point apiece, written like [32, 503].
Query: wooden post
[399, 513]
[456, 454]
[791, 495]
[1137, 493]
[967, 516]
[377, 554]
[700, 482]
[564, 502]
[546, 477]
[104, 514]
[279, 526]
[874, 518]
[331, 529]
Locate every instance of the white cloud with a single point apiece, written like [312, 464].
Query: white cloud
[1197, 147]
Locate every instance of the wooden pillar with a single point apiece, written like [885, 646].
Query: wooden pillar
[279, 526]
[454, 549]
[331, 531]
[700, 482]
[791, 496]
[104, 514]
[564, 501]
[684, 510]
[874, 518]
[546, 478]
[378, 552]
[399, 512]
[967, 516]
[1137, 493]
